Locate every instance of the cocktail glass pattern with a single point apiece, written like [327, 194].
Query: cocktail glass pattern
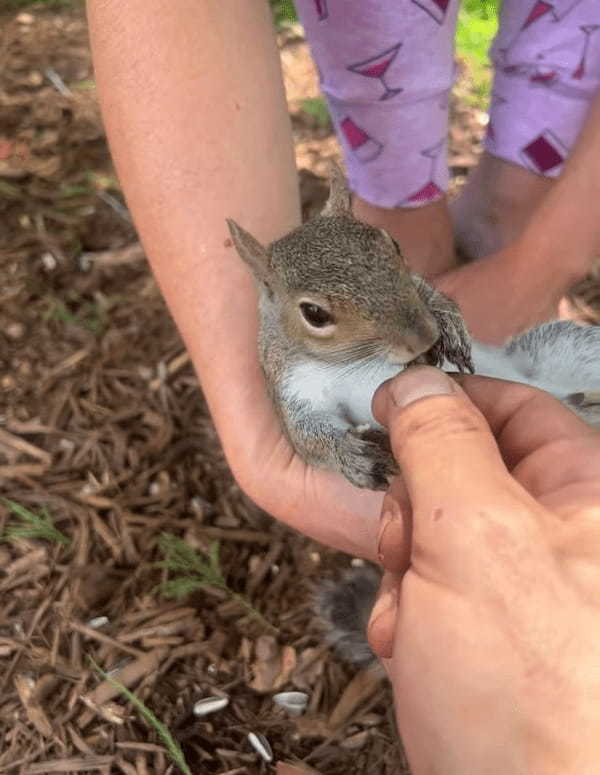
[364, 147]
[321, 9]
[435, 8]
[588, 30]
[430, 190]
[377, 67]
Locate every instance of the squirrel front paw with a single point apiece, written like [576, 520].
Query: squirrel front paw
[365, 458]
[454, 343]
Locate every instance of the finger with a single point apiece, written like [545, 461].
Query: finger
[382, 622]
[394, 539]
[445, 449]
[523, 419]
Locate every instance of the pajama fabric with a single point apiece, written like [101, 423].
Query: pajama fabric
[387, 67]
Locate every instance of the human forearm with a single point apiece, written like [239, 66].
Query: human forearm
[565, 226]
[198, 132]
[193, 102]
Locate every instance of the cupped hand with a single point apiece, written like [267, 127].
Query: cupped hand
[318, 503]
[490, 611]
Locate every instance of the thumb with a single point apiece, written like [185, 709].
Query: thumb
[444, 447]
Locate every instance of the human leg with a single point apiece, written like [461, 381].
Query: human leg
[547, 62]
[386, 73]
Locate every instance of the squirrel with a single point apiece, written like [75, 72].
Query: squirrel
[340, 312]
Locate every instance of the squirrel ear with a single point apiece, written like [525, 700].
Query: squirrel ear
[339, 202]
[250, 250]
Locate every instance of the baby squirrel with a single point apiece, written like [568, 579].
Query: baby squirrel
[340, 312]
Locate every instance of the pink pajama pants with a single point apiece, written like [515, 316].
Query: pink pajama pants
[386, 68]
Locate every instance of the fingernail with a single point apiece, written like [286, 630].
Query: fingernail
[385, 603]
[420, 382]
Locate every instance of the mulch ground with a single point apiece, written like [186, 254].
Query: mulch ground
[103, 425]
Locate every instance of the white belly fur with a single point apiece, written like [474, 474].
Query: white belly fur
[347, 391]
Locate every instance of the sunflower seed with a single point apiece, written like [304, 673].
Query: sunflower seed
[209, 705]
[97, 622]
[261, 746]
[294, 702]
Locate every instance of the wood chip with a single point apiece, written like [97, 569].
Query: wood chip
[26, 687]
[70, 765]
[361, 687]
[24, 447]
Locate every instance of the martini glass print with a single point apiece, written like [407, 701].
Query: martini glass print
[587, 30]
[538, 10]
[362, 145]
[322, 10]
[430, 190]
[557, 10]
[435, 8]
[376, 67]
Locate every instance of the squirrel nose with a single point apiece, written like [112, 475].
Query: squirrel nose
[422, 338]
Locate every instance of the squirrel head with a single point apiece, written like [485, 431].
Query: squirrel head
[339, 288]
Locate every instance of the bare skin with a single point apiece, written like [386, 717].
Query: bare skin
[489, 614]
[495, 205]
[193, 103]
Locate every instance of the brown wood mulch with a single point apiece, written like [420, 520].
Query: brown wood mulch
[103, 425]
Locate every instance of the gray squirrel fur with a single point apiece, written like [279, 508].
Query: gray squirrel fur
[384, 317]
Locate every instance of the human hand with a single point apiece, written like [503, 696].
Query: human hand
[319, 503]
[492, 537]
[509, 282]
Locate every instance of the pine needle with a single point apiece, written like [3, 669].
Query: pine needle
[32, 525]
[172, 746]
[198, 572]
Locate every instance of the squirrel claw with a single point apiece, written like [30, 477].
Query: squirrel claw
[454, 343]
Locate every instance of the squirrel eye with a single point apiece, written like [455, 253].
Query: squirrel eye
[315, 315]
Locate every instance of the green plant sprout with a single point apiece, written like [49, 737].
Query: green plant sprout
[32, 526]
[317, 108]
[172, 746]
[198, 573]
[90, 315]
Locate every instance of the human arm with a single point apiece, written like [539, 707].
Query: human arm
[193, 103]
[493, 599]
[548, 234]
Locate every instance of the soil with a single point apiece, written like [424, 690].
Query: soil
[103, 425]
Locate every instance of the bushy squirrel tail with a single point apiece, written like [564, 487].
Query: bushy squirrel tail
[344, 606]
